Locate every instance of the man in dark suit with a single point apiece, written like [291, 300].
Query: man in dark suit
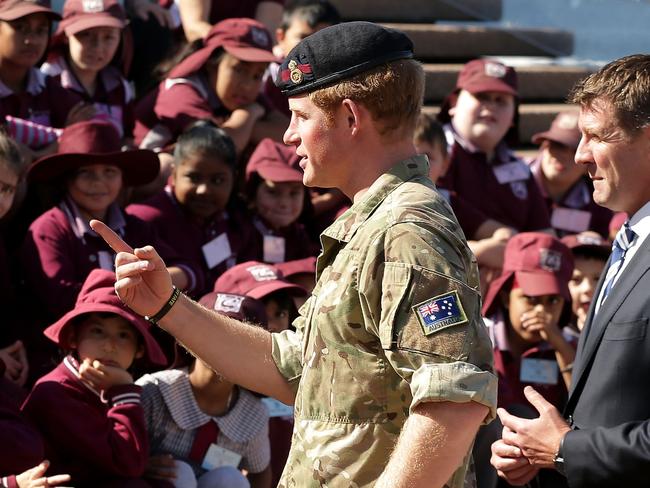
[603, 439]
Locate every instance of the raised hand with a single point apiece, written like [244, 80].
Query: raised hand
[102, 376]
[35, 477]
[143, 282]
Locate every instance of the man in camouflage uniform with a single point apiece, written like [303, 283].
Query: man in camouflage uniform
[390, 367]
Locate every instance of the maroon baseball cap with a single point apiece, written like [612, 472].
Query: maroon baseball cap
[245, 39]
[590, 242]
[564, 130]
[298, 266]
[95, 142]
[239, 307]
[256, 280]
[15, 9]
[274, 161]
[540, 263]
[482, 75]
[98, 295]
[79, 15]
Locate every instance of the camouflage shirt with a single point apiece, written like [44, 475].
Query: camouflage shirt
[394, 320]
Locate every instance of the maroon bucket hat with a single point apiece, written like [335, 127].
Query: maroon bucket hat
[256, 280]
[564, 130]
[275, 162]
[15, 9]
[541, 265]
[95, 142]
[79, 15]
[245, 39]
[239, 307]
[98, 295]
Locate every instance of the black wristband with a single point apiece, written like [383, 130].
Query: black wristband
[165, 308]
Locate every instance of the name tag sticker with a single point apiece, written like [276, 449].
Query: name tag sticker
[509, 172]
[218, 456]
[570, 219]
[217, 250]
[105, 259]
[274, 248]
[541, 371]
[277, 408]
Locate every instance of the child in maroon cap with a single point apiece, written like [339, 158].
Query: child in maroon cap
[220, 79]
[60, 249]
[277, 196]
[565, 185]
[88, 58]
[200, 205]
[88, 408]
[202, 428]
[25, 93]
[301, 272]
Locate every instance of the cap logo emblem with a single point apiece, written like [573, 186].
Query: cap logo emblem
[550, 260]
[262, 273]
[92, 6]
[259, 37]
[228, 303]
[589, 240]
[495, 70]
[567, 122]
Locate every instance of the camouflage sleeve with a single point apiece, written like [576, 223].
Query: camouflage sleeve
[287, 351]
[424, 283]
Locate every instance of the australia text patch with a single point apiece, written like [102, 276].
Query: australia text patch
[440, 312]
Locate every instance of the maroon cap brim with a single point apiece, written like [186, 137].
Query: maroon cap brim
[154, 353]
[279, 173]
[89, 21]
[252, 54]
[560, 137]
[492, 85]
[268, 287]
[538, 283]
[139, 166]
[27, 8]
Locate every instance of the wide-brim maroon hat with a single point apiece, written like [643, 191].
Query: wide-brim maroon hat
[564, 130]
[15, 9]
[540, 264]
[95, 142]
[245, 39]
[298, 266]
[256, 280]
[80, 15]
[274, 161]
[98, 295]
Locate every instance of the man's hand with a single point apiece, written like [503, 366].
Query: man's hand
[102, 376]
[16, 366]
[511, 464]
[34, 478]
[538, 439]
[161, 467]
[143, 282]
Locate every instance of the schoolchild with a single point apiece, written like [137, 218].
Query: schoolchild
[87, 408]
[25, 92]
[217, 78]
[300, 18]
[525, 310]
[565, 185]
[88, 58]
[202, 428]
[277, 197]
[60, 248]
[266, 283]
[200, 205]
[480, 118]
[590, 254]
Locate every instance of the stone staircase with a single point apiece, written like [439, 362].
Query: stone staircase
[447, 33]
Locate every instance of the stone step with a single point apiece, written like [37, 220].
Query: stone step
[533, 117]
[456, 43]
[537, 83]
[419, 10]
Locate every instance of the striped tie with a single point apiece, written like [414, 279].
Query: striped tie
[624, 240]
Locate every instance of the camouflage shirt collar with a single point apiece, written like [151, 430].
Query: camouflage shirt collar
[344, 228]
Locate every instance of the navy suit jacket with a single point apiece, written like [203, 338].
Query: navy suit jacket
[609, 402]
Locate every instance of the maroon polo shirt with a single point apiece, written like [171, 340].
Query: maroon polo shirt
[167, 215]
[297, 244]
[113, 98]
[60, 250]
[43, 101]
[576, 211]
[514, 201]
[91, 436]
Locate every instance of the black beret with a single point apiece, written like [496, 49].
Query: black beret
[340, 52]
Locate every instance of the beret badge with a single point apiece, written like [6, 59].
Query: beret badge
[295, 73]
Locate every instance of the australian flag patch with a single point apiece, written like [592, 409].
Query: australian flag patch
[440, 312]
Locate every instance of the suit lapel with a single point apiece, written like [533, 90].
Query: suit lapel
[597, 322]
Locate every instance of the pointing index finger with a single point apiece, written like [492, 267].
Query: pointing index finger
[112, 239]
